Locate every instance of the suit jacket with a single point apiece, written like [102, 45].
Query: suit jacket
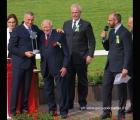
[53, 56]
[20, 43]
[82, 43]
[120, 54]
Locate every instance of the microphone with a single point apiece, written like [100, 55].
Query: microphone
[105, 29]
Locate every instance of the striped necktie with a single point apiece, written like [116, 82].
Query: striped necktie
[74, 27]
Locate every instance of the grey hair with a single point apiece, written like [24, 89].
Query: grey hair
[46, 21]
[29, 13]
[79, 7]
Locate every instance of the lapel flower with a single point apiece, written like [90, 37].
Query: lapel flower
[77, 28]
[56, 43]
[117, 39]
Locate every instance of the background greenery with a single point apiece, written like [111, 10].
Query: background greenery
[58, 11]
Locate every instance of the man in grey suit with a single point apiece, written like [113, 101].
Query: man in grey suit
[81, 43]
[23, 59]
[120, 47]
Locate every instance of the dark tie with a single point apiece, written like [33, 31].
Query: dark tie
[47, 40]
[29, 30]
[113, 31]
[74, 27]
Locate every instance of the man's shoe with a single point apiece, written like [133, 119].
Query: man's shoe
[120, 117]
[130, 110]
[105, 115]
[64, 116]
[82, 108]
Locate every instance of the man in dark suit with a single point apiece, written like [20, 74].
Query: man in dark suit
[54, 61]
[120, 47]
[130, 82]
[22, 61]
[81, 43]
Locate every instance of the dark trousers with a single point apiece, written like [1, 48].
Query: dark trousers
[130, 87]
[62, 88]
[20, 77]
[81, 71]
[130, 90]
[107, 92]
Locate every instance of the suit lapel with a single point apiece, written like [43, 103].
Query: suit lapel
[43, 40]
[70, 26]
[24, 29]
[117, 33]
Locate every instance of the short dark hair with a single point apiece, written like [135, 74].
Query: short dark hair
[13, 16]
[118, 17]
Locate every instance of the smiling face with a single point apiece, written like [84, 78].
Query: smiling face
[75, 12]
[47, 26]
[130, 23]
[28, 20]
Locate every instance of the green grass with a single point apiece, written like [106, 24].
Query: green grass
[58, 11]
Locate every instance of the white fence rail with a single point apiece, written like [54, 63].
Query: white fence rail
[96, 53]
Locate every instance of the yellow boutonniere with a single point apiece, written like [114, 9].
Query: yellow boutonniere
[117, 39]
[77, 28]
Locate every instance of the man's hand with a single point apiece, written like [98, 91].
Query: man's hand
[124, 72]
[29, 54]
[60, 30]
[104, 34]
[63, 71]
[88, 60]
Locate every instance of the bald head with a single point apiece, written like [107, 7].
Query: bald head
[47, 26]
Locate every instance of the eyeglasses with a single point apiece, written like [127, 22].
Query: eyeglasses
[12, 22]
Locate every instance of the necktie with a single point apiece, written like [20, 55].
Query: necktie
[113, 31]
[29, 30]
[47, 40]
[74, 27]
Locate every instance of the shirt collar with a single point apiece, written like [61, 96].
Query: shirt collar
[117, 27]
[49, 34]
[26, 26]
[77, 21]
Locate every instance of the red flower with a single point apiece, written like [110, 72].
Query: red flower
[55, 112]
[54, 44]
[36, 117]
[44, 111]
[110, 113]
[123, 118]
[56, 118]
[131, 116]
[114, 118]
[69, 116]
